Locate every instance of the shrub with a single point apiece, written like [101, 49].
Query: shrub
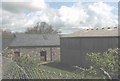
[105, 65]
[26, 61]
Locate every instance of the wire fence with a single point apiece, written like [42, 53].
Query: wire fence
[11, 70]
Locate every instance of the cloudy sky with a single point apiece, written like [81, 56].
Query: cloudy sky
[65, 15]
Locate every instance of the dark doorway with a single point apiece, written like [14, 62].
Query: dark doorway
[43, 55]
[16, 55]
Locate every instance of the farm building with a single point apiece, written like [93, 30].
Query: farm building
[75, 46]
[39, 46]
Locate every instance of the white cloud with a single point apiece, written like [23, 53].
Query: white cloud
[39, 4]
[100, 15]
[73, 16]
[12, 21]
[20, 7]
[18, 16]
[49, 15]
[96, 15]
[14, 14]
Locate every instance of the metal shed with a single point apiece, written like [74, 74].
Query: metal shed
[75, 46]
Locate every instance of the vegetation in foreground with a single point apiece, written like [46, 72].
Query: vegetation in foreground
[105, 66]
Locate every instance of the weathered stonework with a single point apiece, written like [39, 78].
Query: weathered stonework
[34, 53]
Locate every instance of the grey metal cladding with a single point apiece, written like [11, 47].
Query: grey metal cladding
[74, 49]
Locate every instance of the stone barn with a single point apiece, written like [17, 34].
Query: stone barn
[41, 47]
[75, 46]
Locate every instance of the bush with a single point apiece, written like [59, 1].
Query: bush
[105, 65]
[7, 53]
[25, 61]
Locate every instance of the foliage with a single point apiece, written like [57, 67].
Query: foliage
[7, 53]
[11, 70]
[41, 28]
[26, 61]
[105, 65]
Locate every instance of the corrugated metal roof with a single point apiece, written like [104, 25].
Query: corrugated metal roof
[101, 32]
[35, 40]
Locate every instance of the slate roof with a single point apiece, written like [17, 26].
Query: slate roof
[5, 39]
[96, 32]
[36, 40]
[6, 43]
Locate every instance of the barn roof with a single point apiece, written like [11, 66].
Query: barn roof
[35, 40]
[96, 32]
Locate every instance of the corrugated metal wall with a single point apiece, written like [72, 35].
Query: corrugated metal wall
[74, 49]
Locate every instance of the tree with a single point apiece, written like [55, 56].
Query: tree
[41, 28]
[106, 64]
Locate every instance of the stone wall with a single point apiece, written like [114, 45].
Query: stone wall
[35, 52]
